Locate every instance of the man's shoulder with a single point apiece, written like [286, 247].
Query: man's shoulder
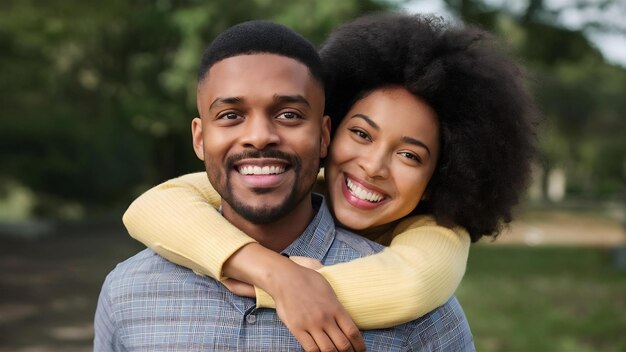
[353, 245]
[143, 270]
[142, 262]
[443, 329]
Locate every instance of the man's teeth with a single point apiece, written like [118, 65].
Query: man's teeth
[363, 194]
[258, 170]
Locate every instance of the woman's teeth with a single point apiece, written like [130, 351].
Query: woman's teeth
[360, 193]
[258, 170]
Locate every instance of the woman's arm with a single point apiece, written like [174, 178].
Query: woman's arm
[176, 220]
[417, 273]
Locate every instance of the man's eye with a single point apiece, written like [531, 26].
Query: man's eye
[228, 116]
[288, 116]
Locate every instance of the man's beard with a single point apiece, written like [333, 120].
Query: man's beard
[264, 215]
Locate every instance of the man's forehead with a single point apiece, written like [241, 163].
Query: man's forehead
[260, 63]
[259, 74]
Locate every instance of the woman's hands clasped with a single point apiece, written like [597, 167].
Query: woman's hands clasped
[306, 304]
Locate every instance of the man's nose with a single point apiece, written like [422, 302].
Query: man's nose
[260, 132]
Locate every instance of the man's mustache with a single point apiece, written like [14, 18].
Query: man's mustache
[292, 160]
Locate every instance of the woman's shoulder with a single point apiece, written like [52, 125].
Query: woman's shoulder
[351, 246]
[425, 223]
[415, 221]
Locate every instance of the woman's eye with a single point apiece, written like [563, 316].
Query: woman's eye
[411, 156]
[288, 116]
[361, 134]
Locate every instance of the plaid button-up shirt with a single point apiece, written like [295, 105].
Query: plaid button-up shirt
[150, 304]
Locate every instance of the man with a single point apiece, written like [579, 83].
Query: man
[261, 134]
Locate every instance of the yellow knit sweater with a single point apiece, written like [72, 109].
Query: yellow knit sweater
[418, 272]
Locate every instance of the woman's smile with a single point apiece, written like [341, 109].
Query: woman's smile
[361, 195]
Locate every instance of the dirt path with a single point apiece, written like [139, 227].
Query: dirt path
[564, 228]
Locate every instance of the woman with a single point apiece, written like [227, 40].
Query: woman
[432, 145]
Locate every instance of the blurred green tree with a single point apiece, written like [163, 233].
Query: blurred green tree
[97, 97]
[577, 90]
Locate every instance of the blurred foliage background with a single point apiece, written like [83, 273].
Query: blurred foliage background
[98, 96]
[97, 99]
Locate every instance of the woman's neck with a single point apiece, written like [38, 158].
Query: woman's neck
[377, 232]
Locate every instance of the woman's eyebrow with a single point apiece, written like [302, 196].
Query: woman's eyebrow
[405, 139]
[417, 142]
[368, 120]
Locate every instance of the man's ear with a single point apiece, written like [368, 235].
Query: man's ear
[196, 137]
[325, 136]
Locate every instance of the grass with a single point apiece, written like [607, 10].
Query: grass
[544, 299]
[516, 298]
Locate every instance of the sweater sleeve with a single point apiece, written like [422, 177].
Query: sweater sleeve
[176, 220]
[417, 273]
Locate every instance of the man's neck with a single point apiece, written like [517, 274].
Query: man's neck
[279, 234]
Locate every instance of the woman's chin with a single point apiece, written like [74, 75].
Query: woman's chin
[352, 222]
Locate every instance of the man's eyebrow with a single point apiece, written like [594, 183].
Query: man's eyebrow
[299, 99]
[368, 120]
[411, 140]
[224, 101]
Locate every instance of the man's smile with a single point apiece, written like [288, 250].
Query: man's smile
[262, 172]
[265, 170]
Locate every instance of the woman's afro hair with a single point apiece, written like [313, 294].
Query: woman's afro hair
[486, 115]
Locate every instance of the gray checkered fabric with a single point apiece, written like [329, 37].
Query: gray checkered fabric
[150, 304]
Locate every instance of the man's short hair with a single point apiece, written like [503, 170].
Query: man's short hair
[259, 36]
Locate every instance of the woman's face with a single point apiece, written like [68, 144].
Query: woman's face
[381, 159]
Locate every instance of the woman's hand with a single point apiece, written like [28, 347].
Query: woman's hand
[239, 288]
[307, 305]
[244, 289]
[305, 301]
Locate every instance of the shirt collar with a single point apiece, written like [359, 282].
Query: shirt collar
[317, 238]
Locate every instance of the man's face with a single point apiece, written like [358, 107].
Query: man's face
[261, 133]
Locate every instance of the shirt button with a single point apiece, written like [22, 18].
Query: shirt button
[251, 319]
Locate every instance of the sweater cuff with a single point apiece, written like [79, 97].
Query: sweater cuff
[263, 299]
[226, 250]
